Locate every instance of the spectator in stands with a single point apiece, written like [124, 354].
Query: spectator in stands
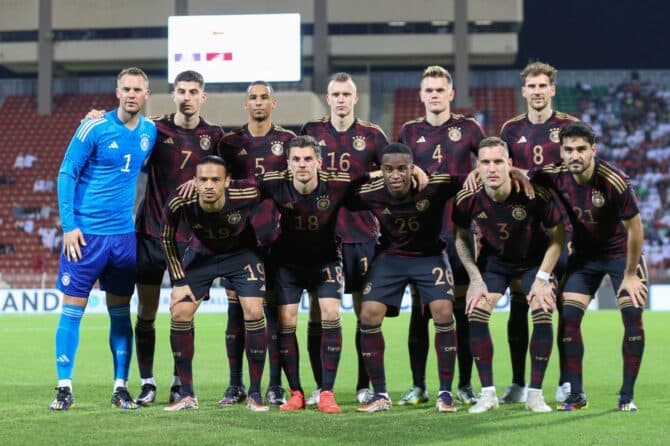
[20, 162]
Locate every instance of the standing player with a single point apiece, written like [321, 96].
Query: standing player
[443, 142]
[352, 146]
[184, 138]
[222, 244]
[607, 239]
[514, 249]
[96, 190]
[411, 251]
[532, 139]
[256, 148]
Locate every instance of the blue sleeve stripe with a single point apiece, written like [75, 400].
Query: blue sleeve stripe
[86, 127]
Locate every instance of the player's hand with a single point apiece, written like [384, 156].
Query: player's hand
[543, 292]
[477, 291]
[187, 189]
[636, 288]
[520, 182]
[473, 181]
[94, 114]
[419, 178]
[72, 243]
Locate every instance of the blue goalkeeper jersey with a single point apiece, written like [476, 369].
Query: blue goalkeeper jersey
[98, 176]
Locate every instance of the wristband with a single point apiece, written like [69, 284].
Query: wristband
[543, 275]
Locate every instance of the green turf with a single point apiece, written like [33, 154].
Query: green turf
[28, 375]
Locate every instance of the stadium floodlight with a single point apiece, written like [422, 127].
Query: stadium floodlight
[236, 48]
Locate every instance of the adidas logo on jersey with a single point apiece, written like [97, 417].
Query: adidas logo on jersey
[482, 214]
[522, 140]
[243, 152]
[322, 143]
[386, 211]
[169, 141]
[420, 140]
[113, 145]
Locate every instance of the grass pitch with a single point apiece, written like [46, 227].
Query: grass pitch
[28, 374]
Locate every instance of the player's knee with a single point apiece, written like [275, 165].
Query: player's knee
[288, 318]
[371, 315]
[442, 312]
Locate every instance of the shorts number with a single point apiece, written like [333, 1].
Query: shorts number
[443, 276]
[538, 157]
[339, 277]
[259, 269]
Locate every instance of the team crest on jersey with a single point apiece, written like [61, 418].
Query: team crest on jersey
[205, 142]
[553, 134]
[422, 205]
[455, 134]
[367, 288]
[277, 148]
[323, 202]
[597, 199]
[519, 213]
[144, 142]
[65, 279]
[234, 218]
[359, 143]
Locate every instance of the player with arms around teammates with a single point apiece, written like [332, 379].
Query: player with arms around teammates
[96, 192]
[514, 248]
[444, 142]
[353, 146]
[410, 251]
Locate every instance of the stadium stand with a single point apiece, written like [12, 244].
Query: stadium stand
[28, 264]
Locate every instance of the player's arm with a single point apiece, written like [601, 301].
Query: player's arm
[631, 281]
[76, 156]
[171, 217]
[465, 247]
[419, 178]
[542, 288]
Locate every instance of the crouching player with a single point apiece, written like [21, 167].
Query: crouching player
[514, 249]
[222, 244]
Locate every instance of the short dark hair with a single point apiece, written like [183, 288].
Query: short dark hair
[578, 129]
[304, 141]
[263, 83]
[492, 141]
[397, 147]
[213, 159]
[190, 76]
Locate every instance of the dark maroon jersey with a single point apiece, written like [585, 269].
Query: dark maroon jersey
[172, 162]
[595, 209]
[531, 145]
[446, 148]
[511, 230]
[248, 155]
[355, 151]
[211, 233]
[410, 226]
[307, 221]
